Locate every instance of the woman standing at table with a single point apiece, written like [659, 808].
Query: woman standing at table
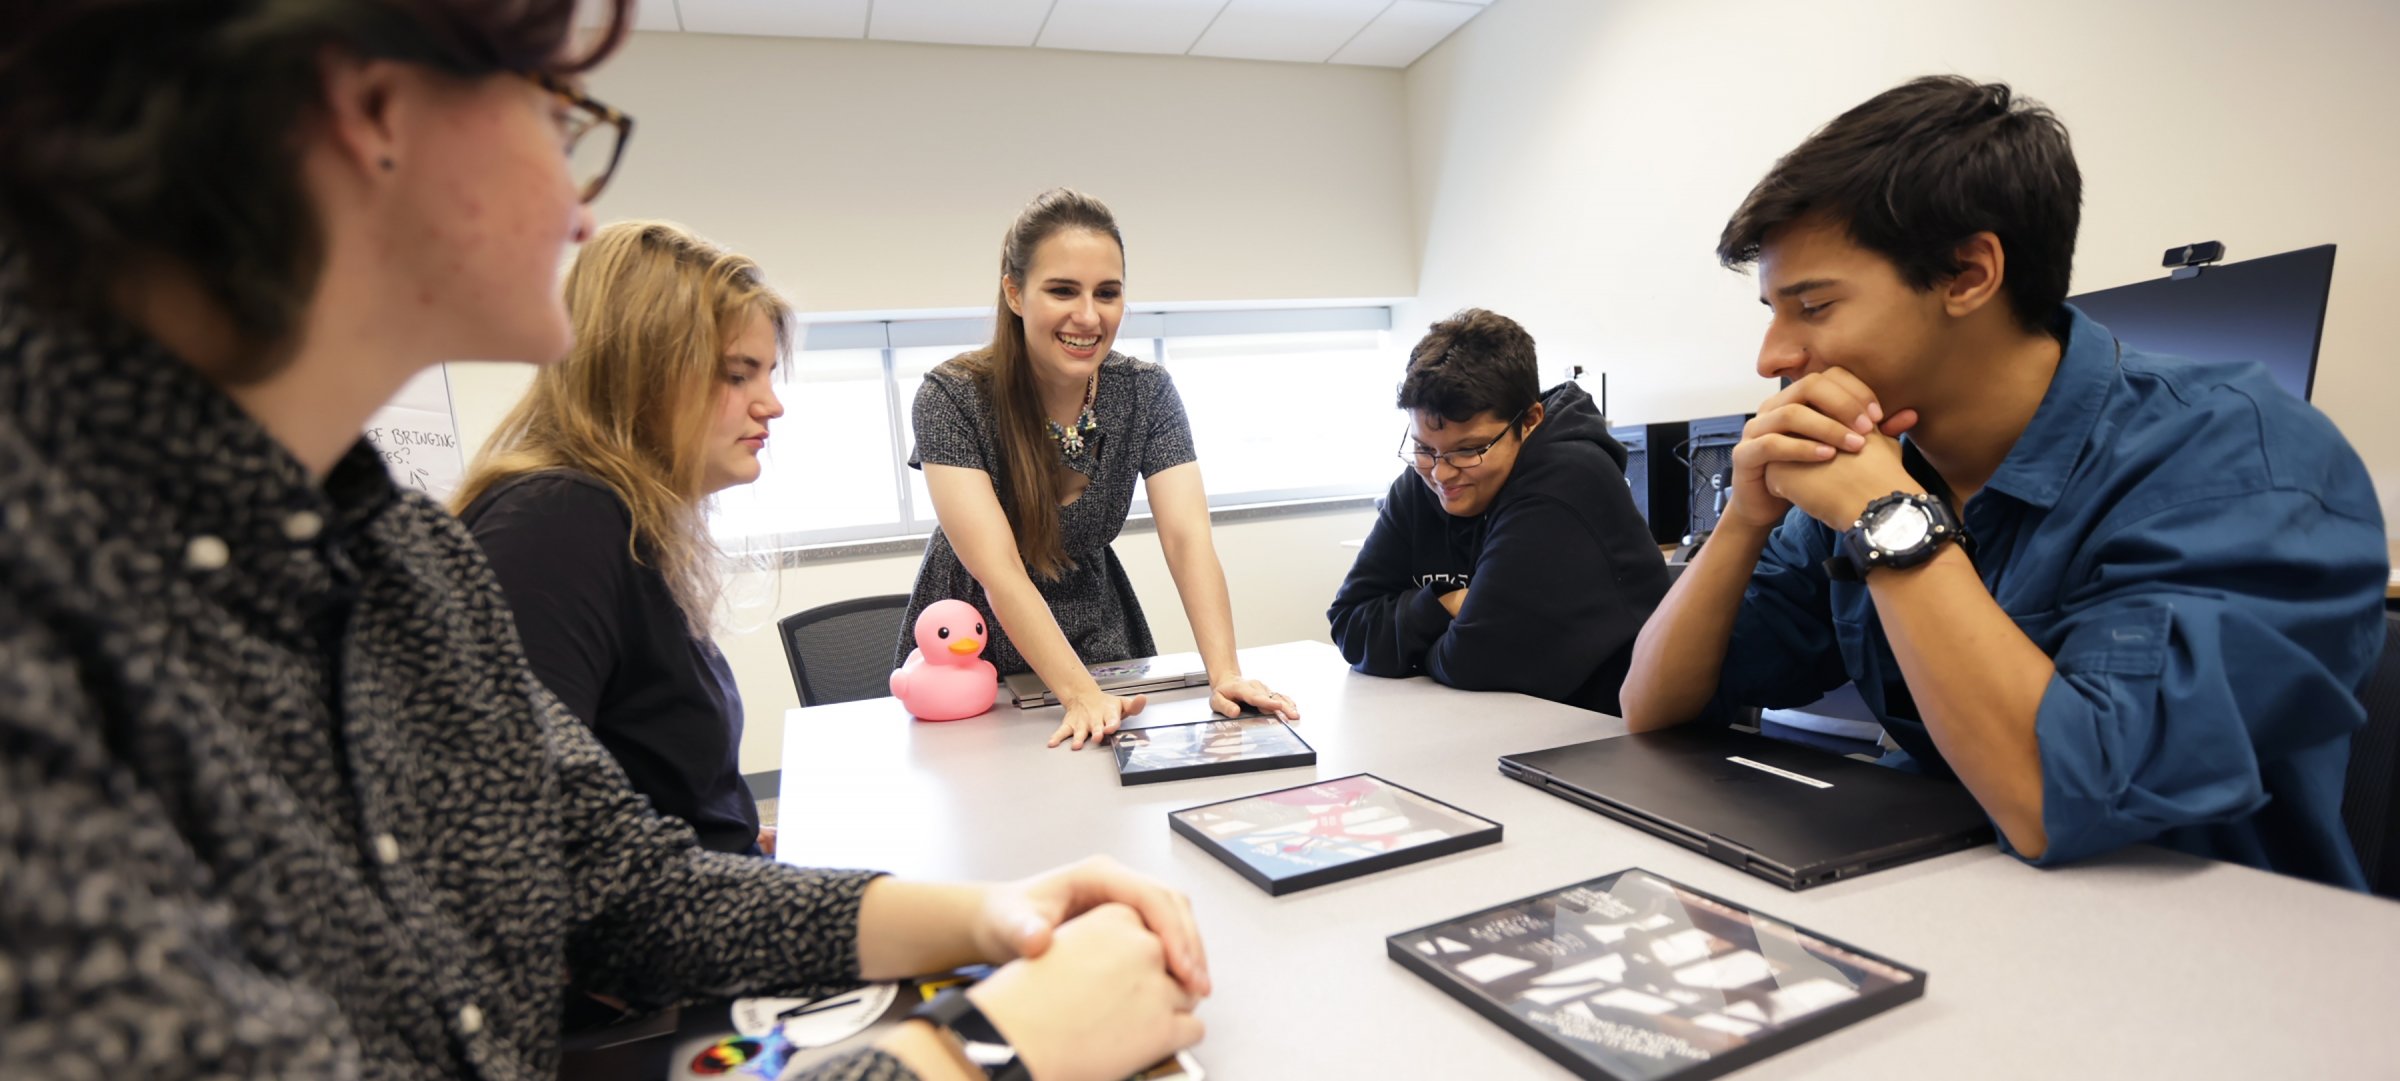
[1031, 447]
[589, 502]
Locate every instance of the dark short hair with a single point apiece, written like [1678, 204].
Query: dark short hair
[1918, 169]
[135, 130]
[1473, 362]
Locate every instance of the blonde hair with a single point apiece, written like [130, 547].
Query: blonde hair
[654, 308]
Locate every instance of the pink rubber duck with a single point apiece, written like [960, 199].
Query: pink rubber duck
[946, 678]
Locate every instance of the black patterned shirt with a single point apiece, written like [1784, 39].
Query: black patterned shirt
[279, 796]
[1142, 432]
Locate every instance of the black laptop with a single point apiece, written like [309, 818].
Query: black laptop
[1793, 815]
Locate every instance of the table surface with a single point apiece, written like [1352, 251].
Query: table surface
[2146, 963]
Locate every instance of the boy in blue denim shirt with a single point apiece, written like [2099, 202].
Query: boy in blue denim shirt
[2123, 598]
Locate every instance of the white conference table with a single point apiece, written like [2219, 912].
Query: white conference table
[2138, 965]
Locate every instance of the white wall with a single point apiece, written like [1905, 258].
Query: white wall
[1575, 160]
[879, 176]
[873, 175]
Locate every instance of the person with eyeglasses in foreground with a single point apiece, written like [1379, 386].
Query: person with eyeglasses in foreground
[1508, 555]
[279, 793]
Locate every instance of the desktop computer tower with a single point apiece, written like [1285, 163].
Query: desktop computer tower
[1656, 477]
[1710, 452]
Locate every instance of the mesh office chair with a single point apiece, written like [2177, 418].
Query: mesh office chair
[2369, 808]
[842, 652]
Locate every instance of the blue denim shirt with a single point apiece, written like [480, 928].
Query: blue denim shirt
[2202, 557]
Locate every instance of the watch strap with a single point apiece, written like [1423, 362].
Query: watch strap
[977, 1036]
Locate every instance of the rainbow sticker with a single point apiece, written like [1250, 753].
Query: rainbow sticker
[734, 1055]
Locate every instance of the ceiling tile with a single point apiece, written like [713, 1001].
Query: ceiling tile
[776, 18]
[958, 22]
[1402, 34]
[1303, 30]
[1382, 33]
[1128, 26]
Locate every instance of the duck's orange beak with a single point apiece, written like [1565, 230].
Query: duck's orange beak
[964, 646]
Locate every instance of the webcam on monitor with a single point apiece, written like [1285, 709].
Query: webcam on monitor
[2188, 259]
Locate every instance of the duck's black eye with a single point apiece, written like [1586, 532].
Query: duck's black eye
[944, 632]
[979, 628]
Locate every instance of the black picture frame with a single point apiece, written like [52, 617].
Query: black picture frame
[1311, 870]
[1889, 983]
[1131, 744]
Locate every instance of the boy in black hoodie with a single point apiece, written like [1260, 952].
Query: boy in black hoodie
[1509, 556]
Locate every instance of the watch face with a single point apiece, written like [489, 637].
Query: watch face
[1899, 527]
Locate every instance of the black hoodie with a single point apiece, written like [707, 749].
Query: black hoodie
[1560, 572]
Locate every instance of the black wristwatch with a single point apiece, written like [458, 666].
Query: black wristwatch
[1898, 530]
[977, 1036]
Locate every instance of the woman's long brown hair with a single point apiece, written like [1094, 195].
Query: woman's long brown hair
[1029, 459]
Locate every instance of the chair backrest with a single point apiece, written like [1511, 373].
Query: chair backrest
[2369, 808]
[842, 652]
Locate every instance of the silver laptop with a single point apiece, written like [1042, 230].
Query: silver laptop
[1141, 675]
[1793, 815]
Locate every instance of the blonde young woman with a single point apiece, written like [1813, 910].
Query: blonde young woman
[588, 500]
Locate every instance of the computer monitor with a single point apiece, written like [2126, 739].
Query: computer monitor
[1656, 476]
[2270, 310]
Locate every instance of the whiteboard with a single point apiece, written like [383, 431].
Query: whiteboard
[418, 436]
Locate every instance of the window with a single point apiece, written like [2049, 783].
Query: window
[1290, 416]
[1284, 404]
[827, 464]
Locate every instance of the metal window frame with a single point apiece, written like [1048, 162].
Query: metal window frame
[1159, 324]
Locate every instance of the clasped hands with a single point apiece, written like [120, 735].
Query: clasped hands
[1824, 444]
